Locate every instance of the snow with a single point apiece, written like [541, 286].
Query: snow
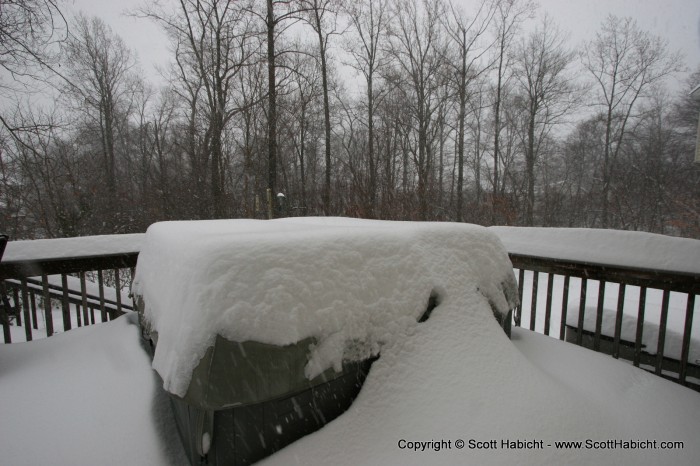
[60, 248]
[675, 324]
[89, 396]
[457, 377]
[84, 397]
[613, 247]
[336, 279]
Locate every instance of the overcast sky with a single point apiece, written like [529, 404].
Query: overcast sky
[678, 21]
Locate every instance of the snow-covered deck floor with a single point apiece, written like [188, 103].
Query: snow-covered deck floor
[90, 397]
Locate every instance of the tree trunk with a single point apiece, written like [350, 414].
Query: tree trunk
[497, 131]
[217, 197]
[326, 115]
[530, 168]
[460, 137]
[370, 149]
[272, 104]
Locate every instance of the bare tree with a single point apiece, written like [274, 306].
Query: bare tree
[625, 62]
[277, 12]
[418, 47]
[158, 170]
[251, 121]
[100, 84]
[321, 15]
[301, 121]
[30, 33]
[478, 105]
[465, 34]
[508, 19]
[541, 62]
[215, 41]
[369, 27]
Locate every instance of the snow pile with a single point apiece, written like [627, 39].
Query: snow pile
[614, 247]
[85, 397]
[346, 282]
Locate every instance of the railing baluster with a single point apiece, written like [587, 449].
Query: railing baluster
[118, 289]
[564, 307]
[65, 305]
[533, 303]
[18, 314]
[83, 296]
[101, 284]
[599, 315]
[662, 333]
[132, 272]
[548, 308]
[521, 282]
[48, 314]
[25, 310]
[618, 321]
[640, 326]
[581, 311]
[685, 353]
[4, 317]
[32, 300]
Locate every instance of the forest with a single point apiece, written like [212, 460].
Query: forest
[428, 110]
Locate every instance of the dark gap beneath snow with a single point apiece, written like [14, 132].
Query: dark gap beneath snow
[433, 302]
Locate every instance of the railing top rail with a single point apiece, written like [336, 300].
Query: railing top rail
[31, 258]
[19, 269]
[634, 249]
[652, 278]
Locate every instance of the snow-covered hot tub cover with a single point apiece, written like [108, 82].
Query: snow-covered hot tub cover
[353, 285]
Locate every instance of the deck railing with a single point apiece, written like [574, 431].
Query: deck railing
[648, 344]
[84, 290]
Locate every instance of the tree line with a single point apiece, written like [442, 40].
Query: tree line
[392, 109]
